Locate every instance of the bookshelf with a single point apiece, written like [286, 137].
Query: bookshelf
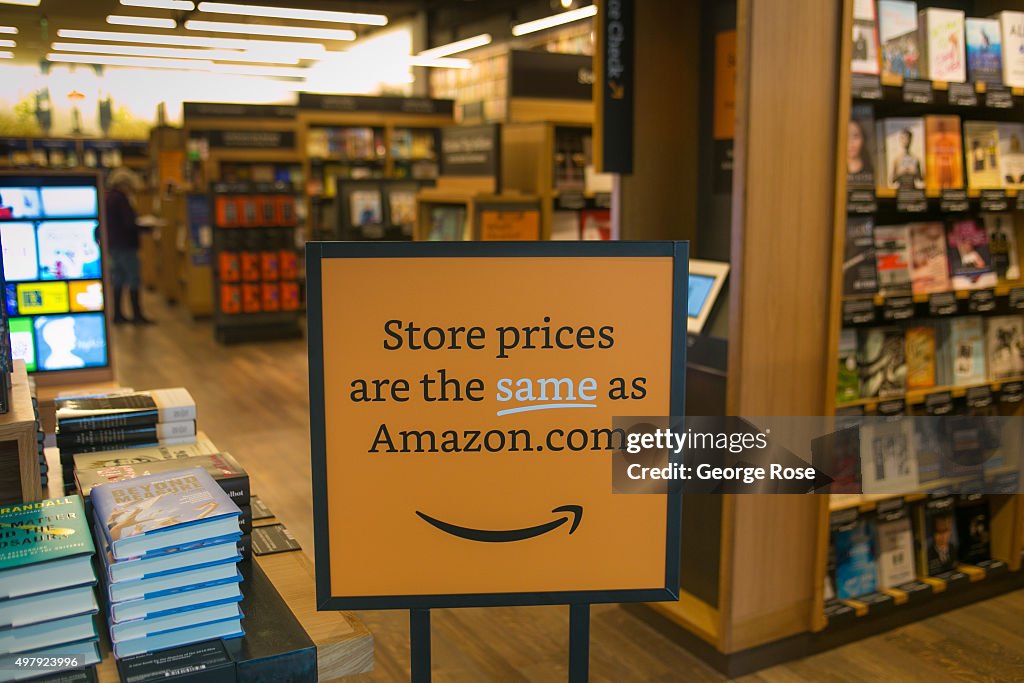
[19, 457]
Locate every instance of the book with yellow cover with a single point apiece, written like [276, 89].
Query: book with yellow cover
[981, 152]
[944, 162]
[920, 357]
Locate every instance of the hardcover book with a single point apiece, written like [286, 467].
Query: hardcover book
[1011, 154]
[227, 628]
[864, 59]
[855, 559]
[902, 144]
[881, 362]
[860, 147]
[45, 546]
[1005, 346]
[973, 528]
[33, 609]
[1012, 25]
[107, 436]
[47, 634]
[929, 263]
[70, 451]
[895, 550]
[1002, 245]
[860, 269]
[164, 510]
[944, 161]
[224, 469]
[125, 410]
[888, 459]
[173, 584]
[984, 51]
[180, 601]
[920, 357]
[126, 631]
[938, 547]
[848, 385]
[968, 344]
[941, 39]
[897, 31]
[970, 262]
[892, 255]
[981, 154]
[197, 556]
[145, 454]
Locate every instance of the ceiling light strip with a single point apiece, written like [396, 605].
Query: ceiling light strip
[271, 30]
[8, 43]
[554, 20]
[293, 13]
[440, 62]
[176, 53]
[178, 64]
[23, 3]
[5, 54]
[293, 48]
[457, 46]
[151, 22]
[183, 5]
[10, 30]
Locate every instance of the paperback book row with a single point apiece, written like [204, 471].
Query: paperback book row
[893, 38]
[963, 351]
[257, 271]
[933, 153]
[960, 253]
[255, 210]
[902, 546]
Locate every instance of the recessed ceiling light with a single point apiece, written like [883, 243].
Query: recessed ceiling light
[8, 29]
[271, 30]
[457, 46]
[292, 13]
[176, 53]
[311, 50]
[554, 20]
[184, 5]
[152, 22]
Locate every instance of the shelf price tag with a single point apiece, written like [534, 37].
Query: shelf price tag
[603, 200]
[942, 303]
[915, 590]
[998, 98]
[954, 201]
[918, 92]
[963, 95]
[982, 301]
[571, 201]
[895, 406]
[1016, 298]
[859, 200]
[1020, 200]
[888, 506]
[979, 397]
[911, 201]
[859, 311]
[994, 200]
[850, 411]
[866, 87]
[898, 308]
[939, 403]
[1012, 392]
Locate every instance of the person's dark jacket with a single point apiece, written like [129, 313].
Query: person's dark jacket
[122, 229]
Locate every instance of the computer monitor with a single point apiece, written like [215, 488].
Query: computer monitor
[706, 280]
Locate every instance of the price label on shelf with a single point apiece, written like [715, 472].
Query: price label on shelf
[954, 201]
[898, 308]
[1020, 200]
[982, 301]
[963, 95]
[859, 312]
[994, 200]
[915, 590]
[894, 406]
[1011, 392]
[911, 201]
[603, 200]
[859, 200]
[918, 92]
[939, 403]
[850, 411]
[979, 397]
[866, 87]
[1017, 298]
[942, 303]
[571, 201]
[998, 98]
[889, 505]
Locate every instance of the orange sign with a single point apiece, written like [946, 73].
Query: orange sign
[725, 85]
[509, 226]
[462, 426]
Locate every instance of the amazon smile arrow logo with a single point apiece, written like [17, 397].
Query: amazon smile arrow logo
[507, 535]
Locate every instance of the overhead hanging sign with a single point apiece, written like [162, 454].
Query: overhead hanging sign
[462, 429]
[224, 110]
[247, 139]
[614, 86]
[550, 75]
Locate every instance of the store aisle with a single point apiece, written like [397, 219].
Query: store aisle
[252, 401]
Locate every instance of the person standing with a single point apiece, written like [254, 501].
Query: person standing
[123, 242]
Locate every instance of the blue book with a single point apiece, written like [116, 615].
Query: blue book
[984, 51]
[127, 631]
[44, 546]
[229, 628]
[82, 654]
[856, 573]
[159, 586]
[47, 634]
[161, 511]
[218, 551]
[34, 609]
[219, 594]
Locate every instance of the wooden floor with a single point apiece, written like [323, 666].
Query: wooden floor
[252, 401]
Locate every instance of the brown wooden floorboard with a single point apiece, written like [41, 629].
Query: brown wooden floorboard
[253, 402]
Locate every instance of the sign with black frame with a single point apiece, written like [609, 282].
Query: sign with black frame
[437, 463]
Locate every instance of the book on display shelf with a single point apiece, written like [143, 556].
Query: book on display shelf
[944, 161]
[848, 384]
[984, 51]
[929, 260]
[145, 434]
[941, 39]
[973, 525]
[895, 541]
[1012, 33]
[864, 58]
[860, 147]
[937, 543]
[901, 153]
[141, 408]
[1011, 154]
[145, 454]
[855, 567]
[920, 341]
[981, 155]
[881, 362]
[970, 262]
[1005, 346]
[888, 458]
[892, 257]
[1002, 245]
[897, 33]
[967, 342]
[860, 268]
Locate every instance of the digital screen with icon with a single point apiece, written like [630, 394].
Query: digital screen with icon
[49, 231]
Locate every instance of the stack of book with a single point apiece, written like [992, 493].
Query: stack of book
[168, 542]
[47, 598]
[160, 417]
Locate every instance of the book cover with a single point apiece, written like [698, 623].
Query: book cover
[973, 528]
[838, 455]
[229, 628]
[984, 51]
[224, 469]
[211, 658]
[34, 609]
[941, 39]
[848, 384]
[1002, 245]
[888, 459]
[944, 353]
[864, 58]
[1011, 154]
[929, 262]
[944, 161]
[892, 256]
[182, 601]
[968, 344]
[44, 531]
[856, 572]
[930, 446]
[938, 547]
[860, 146]
[903, 143]
[125, 410]
[970, 262]
[860, 269]
[881, 362]
[1012, 25]
[402, 207]
[897, 32]
[127, 631]
[365, 208]
[981, 154]
[144, 434]
[920, 357]
[162, 510]
[1005, 343]
[895, 550]
[47, 634]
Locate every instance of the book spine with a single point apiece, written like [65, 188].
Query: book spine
[126, 435]
[116, 420]
[237, 488]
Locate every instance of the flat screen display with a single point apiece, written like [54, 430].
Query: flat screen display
[700, 288]
[50, 234]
